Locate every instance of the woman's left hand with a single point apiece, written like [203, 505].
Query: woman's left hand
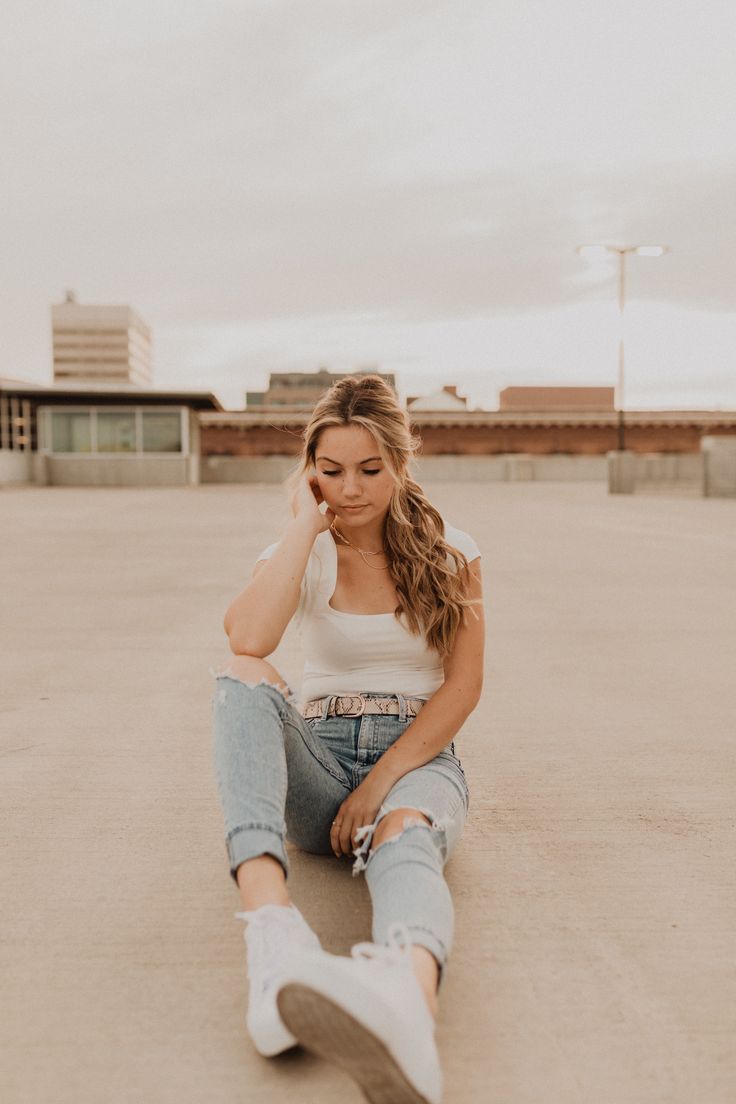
[358, 809]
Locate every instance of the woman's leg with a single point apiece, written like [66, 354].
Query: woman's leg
[404, 853]
[272, 776]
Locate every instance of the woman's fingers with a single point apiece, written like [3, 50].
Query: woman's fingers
[335, 835]
[341, 835]
[345, 834]
[316, 491]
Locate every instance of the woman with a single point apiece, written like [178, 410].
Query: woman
[388, 598]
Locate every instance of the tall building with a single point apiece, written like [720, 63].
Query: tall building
[301, 390]
[104, 344]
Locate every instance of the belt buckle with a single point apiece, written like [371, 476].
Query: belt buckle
[353, 697]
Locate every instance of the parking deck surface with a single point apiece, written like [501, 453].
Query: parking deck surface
[594, 887]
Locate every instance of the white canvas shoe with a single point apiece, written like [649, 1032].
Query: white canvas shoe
[369, 1015]
[274, 934]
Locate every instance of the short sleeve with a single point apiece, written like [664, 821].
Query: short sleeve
[463, 542]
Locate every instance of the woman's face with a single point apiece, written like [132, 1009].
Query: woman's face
[352, 477]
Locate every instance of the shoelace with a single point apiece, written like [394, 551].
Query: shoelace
[275, 936]
[396, 952]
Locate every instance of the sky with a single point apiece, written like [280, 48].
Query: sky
[292, 184]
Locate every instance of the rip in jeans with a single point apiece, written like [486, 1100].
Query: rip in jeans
[283, 687]
[364, 835]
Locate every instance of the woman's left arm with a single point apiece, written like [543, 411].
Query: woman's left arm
[434, 727]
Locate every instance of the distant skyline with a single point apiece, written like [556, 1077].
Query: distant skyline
[281, 186]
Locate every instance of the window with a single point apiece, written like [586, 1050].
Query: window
[97, 431]
[161, 432]
[116, 431]
[71, 431]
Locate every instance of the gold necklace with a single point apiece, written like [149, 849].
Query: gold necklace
[383, 567]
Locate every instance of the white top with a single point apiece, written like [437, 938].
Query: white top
[345, 653]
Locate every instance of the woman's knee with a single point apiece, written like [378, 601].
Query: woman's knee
[395, 822]
[252, 669]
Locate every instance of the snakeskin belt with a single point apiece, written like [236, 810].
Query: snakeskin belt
[355, 705]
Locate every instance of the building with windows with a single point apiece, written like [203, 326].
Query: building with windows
[302, 390]
[100, 423]
[96, 434]
[100, 344]
[107, 434]
[481, 444]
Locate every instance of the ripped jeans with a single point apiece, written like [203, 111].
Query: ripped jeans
[280, 775]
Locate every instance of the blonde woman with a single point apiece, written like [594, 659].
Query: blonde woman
[363, 763]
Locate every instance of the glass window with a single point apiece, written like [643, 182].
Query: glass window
[70, 431]
[161, 432]
[116, 431]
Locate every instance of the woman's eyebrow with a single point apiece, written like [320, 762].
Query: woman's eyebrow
[339, 465]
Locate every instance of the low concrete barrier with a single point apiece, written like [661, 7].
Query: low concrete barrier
[15, 467]
[70, 470]
[245, 469]
[112, 471]
[719, 467]
[434, 469]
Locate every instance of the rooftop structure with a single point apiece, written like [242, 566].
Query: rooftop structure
[96, 343]
[556, 398]
[301, 390]
[446, 398]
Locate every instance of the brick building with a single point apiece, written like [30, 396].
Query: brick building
[556, 398]
[483, 432]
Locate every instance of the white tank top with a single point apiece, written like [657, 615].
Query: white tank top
[345, 653]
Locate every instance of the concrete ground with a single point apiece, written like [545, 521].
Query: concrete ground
[595, 954]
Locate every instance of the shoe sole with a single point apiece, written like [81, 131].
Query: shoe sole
[331, 1032]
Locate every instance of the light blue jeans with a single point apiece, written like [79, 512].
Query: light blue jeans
[282, 776]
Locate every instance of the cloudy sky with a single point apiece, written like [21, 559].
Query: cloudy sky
[288, 184]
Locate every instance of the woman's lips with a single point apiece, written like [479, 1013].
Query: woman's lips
[355, 507]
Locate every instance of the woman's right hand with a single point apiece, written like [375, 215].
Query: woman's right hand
[306, 501]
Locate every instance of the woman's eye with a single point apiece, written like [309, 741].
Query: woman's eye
[366, 471]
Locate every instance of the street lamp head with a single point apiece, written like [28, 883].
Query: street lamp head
[593, 252]
[599, 251]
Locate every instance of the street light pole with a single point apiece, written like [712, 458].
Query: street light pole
[598, 251]
[621, 302]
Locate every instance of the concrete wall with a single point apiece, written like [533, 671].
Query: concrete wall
[659, 467]
[15, 466]
[719, 470]
[25, 467]
[516, 467]
[669, 467]
[194, 459]
[114, 471]
[245, 469]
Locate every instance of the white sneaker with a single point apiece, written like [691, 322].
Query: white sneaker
[369, 1015]
[273, 935]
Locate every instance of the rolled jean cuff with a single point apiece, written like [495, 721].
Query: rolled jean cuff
[251, 840]
[423, 937]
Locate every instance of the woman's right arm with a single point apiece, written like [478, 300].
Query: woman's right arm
[256, 620]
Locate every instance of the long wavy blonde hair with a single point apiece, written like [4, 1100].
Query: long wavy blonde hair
[432, 590]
